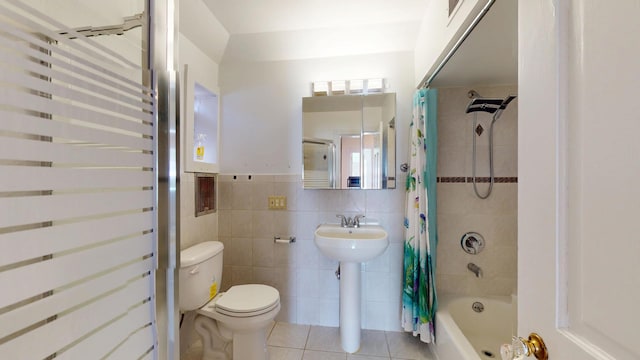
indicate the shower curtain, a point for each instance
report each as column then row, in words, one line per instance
column 419, row 301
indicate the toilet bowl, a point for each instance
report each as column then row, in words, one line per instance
column 241, row 315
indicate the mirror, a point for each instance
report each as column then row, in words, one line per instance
column 349, row 141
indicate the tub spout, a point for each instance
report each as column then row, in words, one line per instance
column 475, row 269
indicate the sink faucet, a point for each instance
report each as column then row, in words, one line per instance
column 475, row 269
column 348, row 222
column 344, row 222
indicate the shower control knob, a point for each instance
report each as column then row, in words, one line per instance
column 472, row 243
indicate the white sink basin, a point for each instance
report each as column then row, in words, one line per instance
column 351, row 244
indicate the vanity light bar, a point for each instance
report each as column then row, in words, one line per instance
column 320, row 88
column 375, row 85
column 348, row 87
column 338, row 87
column 356, row 86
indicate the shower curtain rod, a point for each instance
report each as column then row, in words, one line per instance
column 130, row 22
column 463, row 37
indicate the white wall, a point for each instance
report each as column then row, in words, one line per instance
column 262, row 106
column 201, row 26
column 193, row 229
column 205, row 68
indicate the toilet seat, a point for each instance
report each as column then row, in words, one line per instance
column 242, row 301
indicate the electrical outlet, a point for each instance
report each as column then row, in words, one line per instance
column 277, row 202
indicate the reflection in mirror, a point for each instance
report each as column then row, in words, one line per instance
column 350, row 160
column 319, row 161
column 349, row 141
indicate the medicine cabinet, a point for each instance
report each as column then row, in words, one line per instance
column 202, row 124
column 349, row 141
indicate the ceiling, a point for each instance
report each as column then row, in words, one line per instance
column 251, row 16
column 274, row 30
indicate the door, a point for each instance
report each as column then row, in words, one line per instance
column 78, row 189
column 579, row 161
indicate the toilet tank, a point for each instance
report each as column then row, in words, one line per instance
column 200, row 274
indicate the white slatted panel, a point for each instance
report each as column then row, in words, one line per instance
column 77, row 189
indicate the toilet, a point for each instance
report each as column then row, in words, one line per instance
column 240, row 315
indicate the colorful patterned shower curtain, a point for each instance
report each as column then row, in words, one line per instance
column 419, row 301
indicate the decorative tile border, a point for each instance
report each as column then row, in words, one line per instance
column 462, row 179
column 459, row 179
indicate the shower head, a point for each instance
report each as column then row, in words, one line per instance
column 507, row 100
column 490, row 105
column 503, row 106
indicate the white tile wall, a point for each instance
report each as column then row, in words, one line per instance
column 304, row 277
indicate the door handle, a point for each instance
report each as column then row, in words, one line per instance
column 521, row 348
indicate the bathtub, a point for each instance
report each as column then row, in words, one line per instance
column 464, row 334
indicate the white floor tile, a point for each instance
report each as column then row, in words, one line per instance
column 404, row 345
column 373, row 342
column 323, row 355
column 289, row 335
column 194, row 352
column 278, row 353
column 365, row 357
column 324, row 339
column 303, row 342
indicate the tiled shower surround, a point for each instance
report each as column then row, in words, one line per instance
column 460, row 211
column 305, row 278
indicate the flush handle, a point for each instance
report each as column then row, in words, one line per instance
column 195, row 270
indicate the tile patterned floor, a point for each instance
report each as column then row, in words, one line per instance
column 305, row 342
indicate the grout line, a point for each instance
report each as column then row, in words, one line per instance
column 386, row 340
column 306, row 342
column 271, row 331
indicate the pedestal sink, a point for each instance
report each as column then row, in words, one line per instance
column 350, row 246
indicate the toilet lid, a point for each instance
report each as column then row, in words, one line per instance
column 248, row 298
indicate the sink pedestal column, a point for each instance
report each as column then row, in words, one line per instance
column 350, row 306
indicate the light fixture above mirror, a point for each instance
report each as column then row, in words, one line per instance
column 349, row 87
